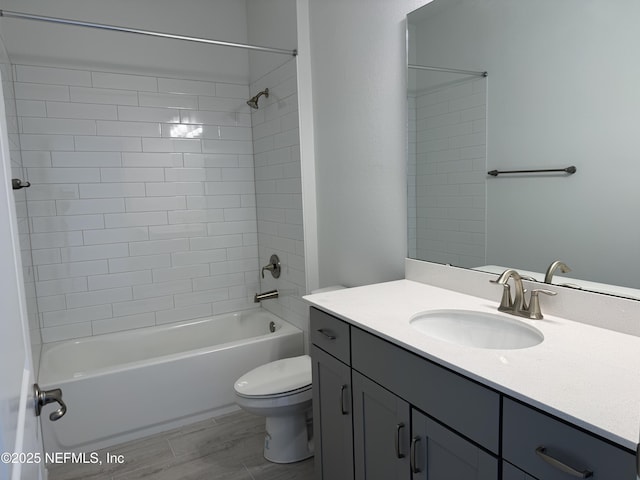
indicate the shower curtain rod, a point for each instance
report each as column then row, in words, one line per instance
column 28, row 16
column 448, row 70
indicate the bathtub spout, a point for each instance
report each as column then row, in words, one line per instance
column 265, row 296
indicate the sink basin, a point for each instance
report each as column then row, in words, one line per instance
column 477, row 329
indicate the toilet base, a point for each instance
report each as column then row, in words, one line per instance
column 287, row 438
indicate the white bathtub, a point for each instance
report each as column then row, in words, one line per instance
column 126, row 385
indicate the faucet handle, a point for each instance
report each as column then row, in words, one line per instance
column 273, row 266
column 543, row 290
column 570, row 285
column 534, row 302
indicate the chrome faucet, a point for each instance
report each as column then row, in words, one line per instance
column 519, row 305
column 507, row 304
column 265, row 296
column 564, row 268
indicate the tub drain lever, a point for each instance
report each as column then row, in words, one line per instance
column 44, row 397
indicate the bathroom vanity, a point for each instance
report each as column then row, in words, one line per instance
column 392, row 402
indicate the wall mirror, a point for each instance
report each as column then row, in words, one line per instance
column 562, row 90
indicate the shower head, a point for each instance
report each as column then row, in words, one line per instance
column 253, row 102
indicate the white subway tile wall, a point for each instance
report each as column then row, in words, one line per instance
column 279, row 191
column 143, row 204
column 18, row 171
column 450, row 173
column 411, row 177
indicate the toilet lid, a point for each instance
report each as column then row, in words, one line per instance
column 276, row 377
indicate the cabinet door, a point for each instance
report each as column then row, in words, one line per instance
column 437, row 453
column 381, row 424
column 332, row 417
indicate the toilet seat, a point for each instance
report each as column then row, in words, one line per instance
column 277, row 395
column 289, row 376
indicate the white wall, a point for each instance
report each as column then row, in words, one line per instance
column 358, row 63
column 59, row 45
column 270, row 23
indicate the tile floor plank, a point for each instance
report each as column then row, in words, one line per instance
column 228, row 447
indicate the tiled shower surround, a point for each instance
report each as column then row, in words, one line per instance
column 6, row 72
column 450, row 173
column 143, row 200
column 276, row 145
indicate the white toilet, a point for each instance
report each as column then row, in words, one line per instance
column 281, row 391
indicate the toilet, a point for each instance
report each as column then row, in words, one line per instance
column 281, row 392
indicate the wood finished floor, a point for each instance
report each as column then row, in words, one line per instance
column 222, row 448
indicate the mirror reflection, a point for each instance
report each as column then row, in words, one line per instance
column 562, row 89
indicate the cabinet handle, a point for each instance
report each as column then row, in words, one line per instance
column 327, row 334
column 412, row 460
column 399, row 427
column 342, row 409
column 554, row 462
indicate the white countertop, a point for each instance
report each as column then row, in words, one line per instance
column 586, row 375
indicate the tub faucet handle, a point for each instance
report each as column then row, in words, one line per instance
column 273, row 266
column 45, row 397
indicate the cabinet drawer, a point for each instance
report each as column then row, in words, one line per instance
column 330, row 334
column 543, row 446
column 463, row 405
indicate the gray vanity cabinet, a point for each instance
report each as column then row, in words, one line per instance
column 382, row 412
column 440, row 454
column 509, row 472
column 554, row 450
column 392, row 440
column 332, row 418
column 381, row 426
column 332, row 407
column 464, row 406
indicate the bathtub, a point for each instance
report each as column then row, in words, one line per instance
column 123, row 386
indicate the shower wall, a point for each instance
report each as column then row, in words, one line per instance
column 143, row 200
column 451, row 173
column 17, row 170
column 411, row 176
column 276, row 146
